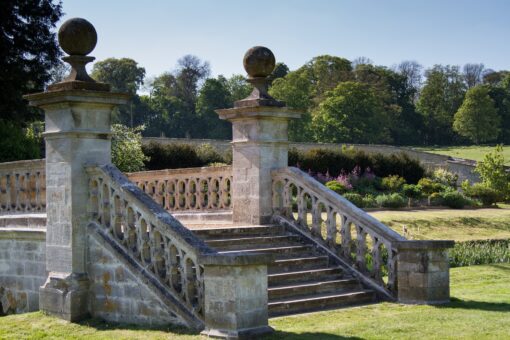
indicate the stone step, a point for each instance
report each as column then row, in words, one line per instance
column 314, row 287
column 287, row 250
column 247, row 241
column 234, row 231
column 331, row 273
column 320, row 302
column 284, row 265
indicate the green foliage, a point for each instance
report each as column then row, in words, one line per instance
column 445, row 177
column 354, row 198
column 369, row 201
column 470, row 253
column 16, row 144
column 429, row 186
column 351, row 112
column 454, row 199
column 435, row 198
column 29, row 51
column 213, row 95
column 413, row 191
column 477, row 117
column 392, row 183
column 127, row 154
column 492, row 172
column 336, row 161
column 481, row 192
column 208, row 154
column 393, row 201
column 124, row 75
column 337, row 187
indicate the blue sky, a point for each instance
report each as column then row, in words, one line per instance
column 156, row 33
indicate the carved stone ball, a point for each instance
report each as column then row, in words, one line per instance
column 259, row 62
column 77, row 36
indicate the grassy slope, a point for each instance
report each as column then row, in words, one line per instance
column 459, row 225
column 480, row 309
column 468, row 152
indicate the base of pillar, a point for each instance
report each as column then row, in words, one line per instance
column 65, row 296
column 249, row 333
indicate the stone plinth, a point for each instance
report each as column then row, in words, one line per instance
column 77, row 133
column 423, row 272
column 235, row 296
column 259, row 144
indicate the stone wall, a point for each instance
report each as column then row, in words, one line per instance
column 22, row 268
column 463, row 167
column 119, row 294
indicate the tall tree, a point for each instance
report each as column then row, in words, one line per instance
column 440, row 98
column 213, row 95
column 412, row 71
column 238, row 87
column 28, row 51
column 473, row 74
column 477, row 117
column 352, row 112
column 124, row 75
column 280, row 71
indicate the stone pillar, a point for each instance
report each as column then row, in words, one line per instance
column 423, row 272
column 259, row 141
column 235, row 295
column 77, row 132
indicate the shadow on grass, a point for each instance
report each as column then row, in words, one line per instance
column 500, row 266
column 307, row 336
column 102, row 325
column 477, row 305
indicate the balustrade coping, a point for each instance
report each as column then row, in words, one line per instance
column 424, row 244
column 203, row 169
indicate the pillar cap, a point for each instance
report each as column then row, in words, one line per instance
column 259, row 112
column 76, row 96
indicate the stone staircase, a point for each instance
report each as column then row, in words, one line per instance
column 301, row 278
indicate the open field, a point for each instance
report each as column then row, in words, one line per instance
column 468, row 152
column 479, row 309
column 459, row 225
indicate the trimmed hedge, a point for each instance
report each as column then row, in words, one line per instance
column 470, row 253
column 335, row 162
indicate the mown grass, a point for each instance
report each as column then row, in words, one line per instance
column 468, row 152
column 458, row 225
column 480, row 309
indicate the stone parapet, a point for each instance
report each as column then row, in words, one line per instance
column 423, row 272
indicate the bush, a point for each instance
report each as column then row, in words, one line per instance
column 369, row 201
column 355, row 199
column 208, row 154
column 127, row 154
column 479, row 252
column 16, row 144
column 493, row 173
column 412, row 191
column 345, row 160
column 435, row 198
column 486, row 195
column 454, row 199
column 392, row 183
column 337, row 187
column 429, row 187
column 445, row 178
column 171, row 156
column 393, row 200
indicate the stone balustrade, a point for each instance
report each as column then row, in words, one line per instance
column 191, row 189
column 22, row 187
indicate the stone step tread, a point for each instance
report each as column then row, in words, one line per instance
column 313, row 284
column 325, row 270
column 247, row 238
column 240, row 230
column 300, row 259
column 322, row 297
column 266, row 249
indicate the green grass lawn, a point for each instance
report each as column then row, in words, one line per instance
column 459, row 225
column 468, row 152
column 480, row 309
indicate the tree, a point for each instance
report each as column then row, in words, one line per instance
column 28, row 51
column 477, row 118
column 213, row 95
column 124, row 75
column 127, row 154
column 440, row 98
column 473, row 74
column 238, row 87
column 352, row 112
column 493, row 173
column 280, row 71
column 412, row 71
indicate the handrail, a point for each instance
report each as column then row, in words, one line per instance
column 188, row 189
column 149, row 234
column 337, row 224
column 22, row 187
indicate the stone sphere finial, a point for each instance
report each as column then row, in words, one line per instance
column 259, row 62
column 77, row 36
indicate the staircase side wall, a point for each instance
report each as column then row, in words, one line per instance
column 118, row 294
column 22, row 269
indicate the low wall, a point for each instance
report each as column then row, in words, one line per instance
column 463, row 167
column 22, row 265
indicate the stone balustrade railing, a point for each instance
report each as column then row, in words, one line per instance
column 347, row 231
column 150, row 235
column 22, row 187
column 191, row 189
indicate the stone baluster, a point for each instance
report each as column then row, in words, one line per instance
column 259, row 141
column 77, row 117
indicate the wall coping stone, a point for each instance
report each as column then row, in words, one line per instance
column 424, row 244
column 35, row 234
